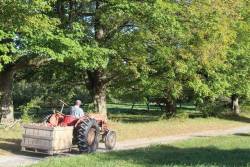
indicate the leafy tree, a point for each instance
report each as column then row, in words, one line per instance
column 194, row 55
column 116, row 34
column 28, row 38
column 239, row 58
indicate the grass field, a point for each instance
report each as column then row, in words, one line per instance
column 139, row 123
column 139, row 113
column 230, row 151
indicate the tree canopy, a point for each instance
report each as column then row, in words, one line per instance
column 126, row 49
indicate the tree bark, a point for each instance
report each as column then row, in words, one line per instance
column 96, row 83
column 6, row 100
column 235, row 104
column 100, row 102
column 170, row 107
column 97, row 89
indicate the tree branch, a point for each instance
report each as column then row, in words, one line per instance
column 27, row 63
column 116, row 29
column 87, row 14
column 6, row 40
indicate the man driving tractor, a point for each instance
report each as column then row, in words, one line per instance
column 76, row 110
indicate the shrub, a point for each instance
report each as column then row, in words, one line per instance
column 34, row 103
column 214, row 108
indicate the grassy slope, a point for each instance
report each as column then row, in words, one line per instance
column 215, row 151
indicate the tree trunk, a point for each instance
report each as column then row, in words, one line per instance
column 97, row 89
column 170, row 107
column 6, row 100
column 132, row 107
column 96, row 78
column 235, row 104
column 100, row 102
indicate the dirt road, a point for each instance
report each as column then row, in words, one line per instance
column 20, row 160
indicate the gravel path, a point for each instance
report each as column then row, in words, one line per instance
column 20, row 160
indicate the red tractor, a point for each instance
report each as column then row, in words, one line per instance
column 89, row 130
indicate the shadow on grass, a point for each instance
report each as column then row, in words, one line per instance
column 10, row 145
column 14, row 146
column 242, row 134
column 134, row 111
column 174, row 156
column 233, row 117
column 142, row 115
column 134, row 116
column 134, row 119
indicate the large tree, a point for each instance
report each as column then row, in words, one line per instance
column 239, row 58
column 28, row 38
column 117, row 34
column 212, row 34
column 192, row 52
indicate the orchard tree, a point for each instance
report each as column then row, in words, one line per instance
column 28, row 38
column 239, row 58
column 168, row 68
column 210, row 26
column 118, row 35
column 195, row 56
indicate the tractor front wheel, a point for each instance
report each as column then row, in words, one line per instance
column 110, row 140
column 88, row 136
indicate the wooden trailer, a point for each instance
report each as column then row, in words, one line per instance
column 47, row 140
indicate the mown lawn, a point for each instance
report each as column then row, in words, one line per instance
column 140, row 123
column 152, row 129
column 230, row 151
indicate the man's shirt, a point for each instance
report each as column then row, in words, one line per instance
column 76, row 111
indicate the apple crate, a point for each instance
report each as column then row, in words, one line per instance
column 48, row 140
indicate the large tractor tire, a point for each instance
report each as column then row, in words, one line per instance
column 88, row 136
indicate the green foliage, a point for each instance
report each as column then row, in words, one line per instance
column 196, row 56
column 193, row 50
column 239, row 57
column 29, row 35
column 213, row 108
column 33, row 104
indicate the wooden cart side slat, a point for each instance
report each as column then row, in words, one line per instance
column 38, row 137
column 39, row 127
column 36, row 146
column 62, row 128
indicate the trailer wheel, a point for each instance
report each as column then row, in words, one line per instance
column 88, row 136
column 110, row 140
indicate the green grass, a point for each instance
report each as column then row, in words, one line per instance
column 203, row 152
column 176, row 126
column 125, row 113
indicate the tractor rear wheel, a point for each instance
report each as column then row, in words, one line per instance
column 88, row 136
